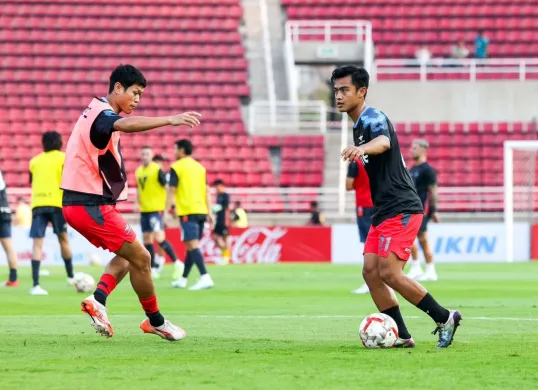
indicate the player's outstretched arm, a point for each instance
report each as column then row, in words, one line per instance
column 378, row 145
column 137, row 124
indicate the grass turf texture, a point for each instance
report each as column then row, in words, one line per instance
column 272, row 327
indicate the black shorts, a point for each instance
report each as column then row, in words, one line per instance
column 424, row 225
column 151, row 222
column 5, row 228
column 192, row 226
column 220, row 230
column 41, row 216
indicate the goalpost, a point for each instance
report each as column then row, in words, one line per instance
column 520, row 190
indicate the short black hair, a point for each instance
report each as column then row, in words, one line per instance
column 186, row 145
column 218, row 182
column 126, row 75
column 158, row 158
column 314, row 204
column 359, row 76
column 237, row 203
column 51, row 140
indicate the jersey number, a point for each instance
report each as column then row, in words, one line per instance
column 142, row 182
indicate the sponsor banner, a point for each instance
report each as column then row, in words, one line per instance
column 450, row 242
column 250, row 245
column 264, row 245
column 534, row 242
column 83, row 251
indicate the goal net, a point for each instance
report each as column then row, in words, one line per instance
column 520, row 190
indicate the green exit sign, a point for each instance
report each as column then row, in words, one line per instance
column 327, row 52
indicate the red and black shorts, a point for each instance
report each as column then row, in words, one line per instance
column 395, row 235
column 102, row 225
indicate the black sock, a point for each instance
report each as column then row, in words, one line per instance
column 394, row 313
column 100, row 296
column 12, row 274
column 168, row 249
column 198, row 259
column 35, row 272
column 151, row 251
column 430, row 306
column 188, row 265
column 156, row 319
column 69, row 267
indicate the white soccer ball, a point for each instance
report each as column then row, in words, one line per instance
column 83, row 282
column 378, row 331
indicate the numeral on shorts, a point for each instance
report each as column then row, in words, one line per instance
column 384, row 244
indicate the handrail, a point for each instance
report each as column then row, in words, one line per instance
column 469, row 66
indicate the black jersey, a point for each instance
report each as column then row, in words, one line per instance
column 223, row 203
column 391, row 186
column 424, row 176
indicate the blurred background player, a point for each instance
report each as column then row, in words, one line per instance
column 151, row 184
column 160, row 256
column 5, row 236
column 94, row 179
column 425, row 179
column 23, row 213
column 188, row 193
column 357, row 179
column 45, row 178
column 316, row 216
column 221, row 210
column 239, row 216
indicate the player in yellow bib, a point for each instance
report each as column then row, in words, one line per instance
column 189, row 194
column 151, row 182
column 45, row 177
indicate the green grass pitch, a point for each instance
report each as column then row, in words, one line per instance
column 285, row 326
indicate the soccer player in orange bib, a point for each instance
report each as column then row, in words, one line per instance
column 94, row 179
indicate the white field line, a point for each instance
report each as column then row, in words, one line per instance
column 266, row 317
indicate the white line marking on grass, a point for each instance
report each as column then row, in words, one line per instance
column 267, row 317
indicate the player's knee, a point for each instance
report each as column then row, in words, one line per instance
column 388, row 275
column 142, row 262
column 370, row 273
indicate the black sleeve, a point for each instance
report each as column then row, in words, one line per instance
column 162, row 177
column 352, row 170
column 102, row 128
column 431, row 177
column 226, row 201
column 174, row 180
column 235, row 217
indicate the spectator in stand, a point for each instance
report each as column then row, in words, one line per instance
column 423, row 55
column 459, row 51
column 481, row 45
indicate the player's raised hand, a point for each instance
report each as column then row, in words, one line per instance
column 191, row 119
column 351, row 153
column 436, row 218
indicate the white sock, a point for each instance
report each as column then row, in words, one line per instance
column 415, row 264
column 430, row 267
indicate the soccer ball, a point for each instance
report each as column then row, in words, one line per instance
column 83, row 282
column 378, row 331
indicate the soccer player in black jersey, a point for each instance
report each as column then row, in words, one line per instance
column 425, row 179
column 398, row 209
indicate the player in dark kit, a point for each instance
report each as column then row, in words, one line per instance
column 221, row 209
column 398, row 210
column 425, row 179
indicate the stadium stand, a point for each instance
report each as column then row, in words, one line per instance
column 399, row 29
